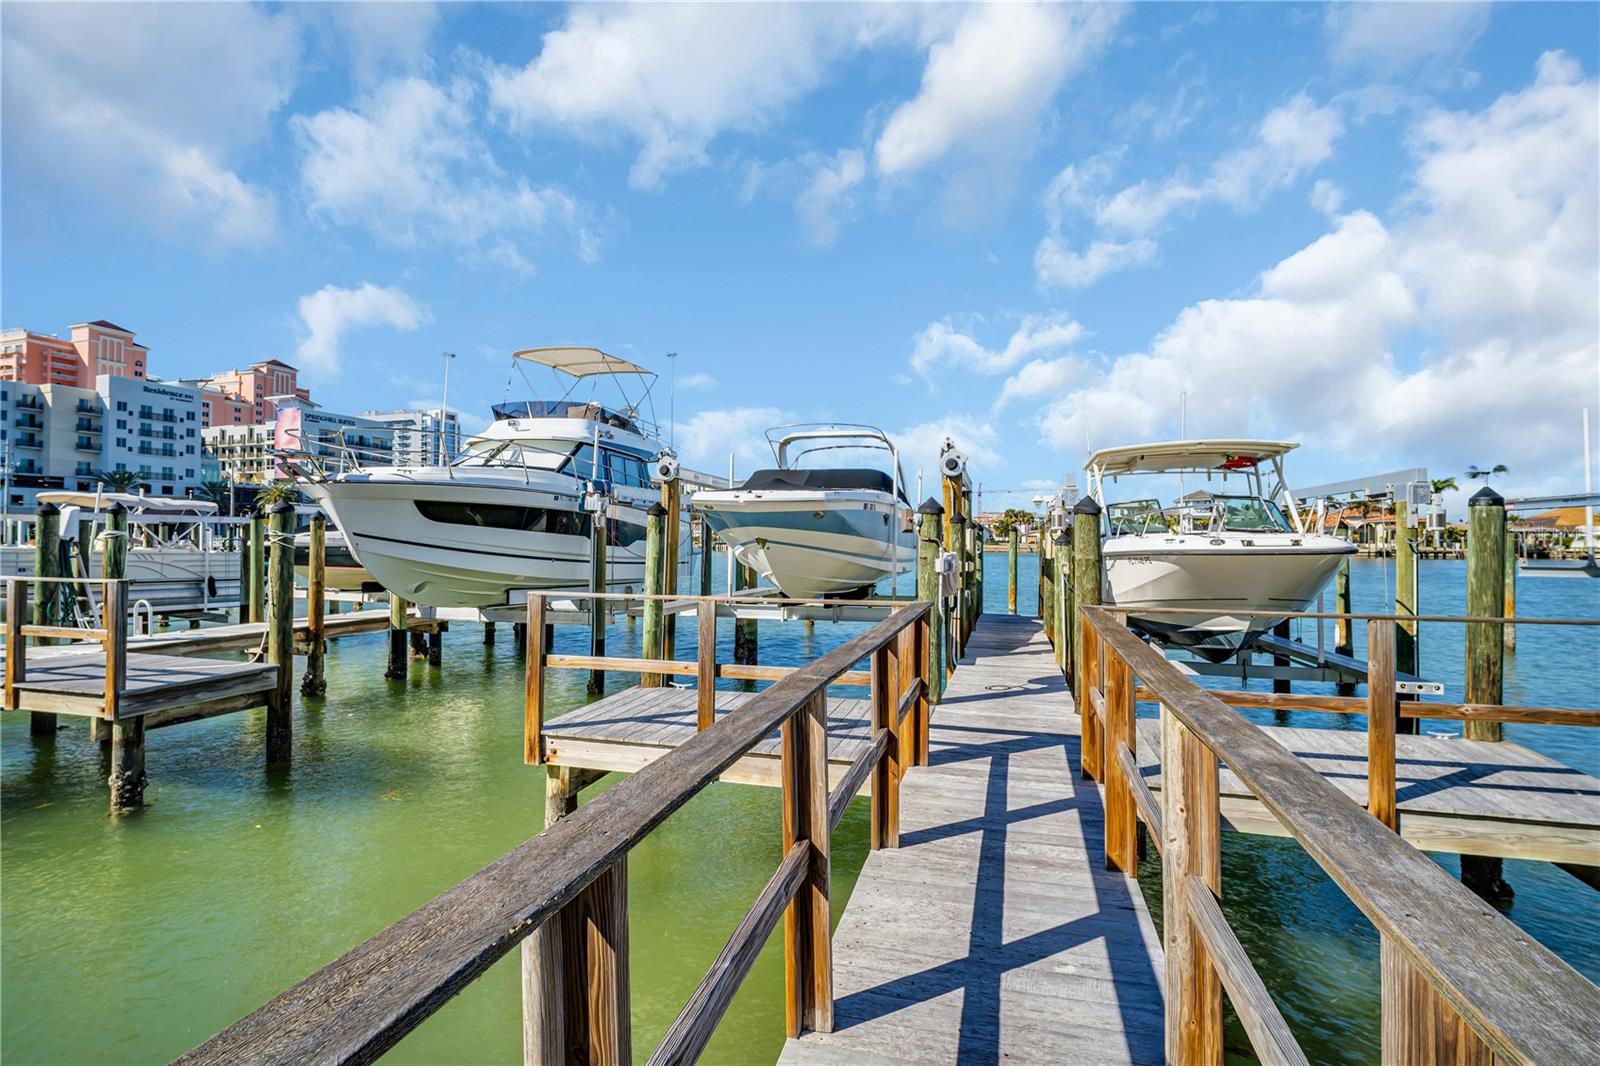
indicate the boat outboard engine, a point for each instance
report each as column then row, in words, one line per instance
column 666, row 467
column 952, row 463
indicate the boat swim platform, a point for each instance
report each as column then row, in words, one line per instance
column 994, row 931
column 1467, row 797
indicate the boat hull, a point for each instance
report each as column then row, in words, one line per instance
column 1219, row 582
column 459, row 564
column 811, row 545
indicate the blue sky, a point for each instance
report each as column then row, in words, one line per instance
column 1372, row 229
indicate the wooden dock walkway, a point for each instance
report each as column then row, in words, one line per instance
column 994, row 931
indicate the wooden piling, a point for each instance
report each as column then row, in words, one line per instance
column 1508, row 631
column 1283, row 630
column 396, row 670
column 113, row 565
column 597, row 608
column 46, row 594
column 746, row 631
column 929, row 521
column 488, row 634
column 255, row 577
column 1343, row 630
column 707, row 539
column 672, row 501
column 1382, row 714
column 280, row 633
column 1048, row 554
column 315, row 682
column 1086, row 592
column 1486, row 532
column 1062, row 612
column 1011, row 570
column 1407, row 600
column 127, row 779
column 654, row 567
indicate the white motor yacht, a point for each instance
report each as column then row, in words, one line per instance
column 509, row 512
column 818, row 531
column 1236, row 544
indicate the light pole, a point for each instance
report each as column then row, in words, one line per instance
column 444, row 406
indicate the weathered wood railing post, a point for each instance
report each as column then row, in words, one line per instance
column 928, row 522
column 256, row 563
column 1086, row 592
column 1191, row 825
column 46, row 594
column 913, row 646
column 1382, row 711
column 654, row 565
column 127, row 779
column 598, row 532
column 533, row 682
column 396, row 669
column 807, row 937
column 885, row 833
column 1406, row 601
column 1419, row 1028
column 1122, row 826
column 1486, row 532
column 280, row 634
column 315, row 682
column 1011, row 570
column 706, row 658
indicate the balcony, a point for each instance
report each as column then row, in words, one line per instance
column 30, row 421
column 87, row 444
column 150, row 414
column 84, row 470
column 30, row 402
column 29, row 440
column 87, row 425
column 88, row 407
column 166, row 453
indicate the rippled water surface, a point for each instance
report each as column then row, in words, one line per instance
column 132, row 940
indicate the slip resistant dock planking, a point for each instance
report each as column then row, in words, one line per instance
column 629, row 729
column 994, row 932
column 1471, row 797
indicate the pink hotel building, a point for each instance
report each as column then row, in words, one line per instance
column 231, row 398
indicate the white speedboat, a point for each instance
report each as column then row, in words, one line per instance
column 1237, row 544
column 510, row 512
column 829, row 531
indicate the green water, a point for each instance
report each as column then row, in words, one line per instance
column 132, row 940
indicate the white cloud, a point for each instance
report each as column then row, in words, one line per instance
column 985, row 85
column 1462, row 331
column 407, row 163
column 1290, row 140
column 1057, row 265
column 698, row 380
column 919, row 448
column 707, row 439
column 329, row 313
column 674, row 76
column 141, row 110
column 1327, row 196
column 942, row 342
column 377, row 38
column 1039, row 378
column 829, row 195
column 1394, row 37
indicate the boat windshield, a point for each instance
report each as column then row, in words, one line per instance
column 1133, row 517
column 1247, row 514
column 532, row 454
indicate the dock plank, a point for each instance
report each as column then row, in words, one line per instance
column 994, row 932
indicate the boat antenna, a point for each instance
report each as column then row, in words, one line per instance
column 1183, row 427
column 672, row 401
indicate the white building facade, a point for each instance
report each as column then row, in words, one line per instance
column 417, row 436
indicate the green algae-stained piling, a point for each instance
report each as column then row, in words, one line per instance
column 1061, row 602
column 1011, row 570
column 1406, row 598
column 280, row 633
column 1486, row 537
column 929, row 514
column 315, row 682
column 654, row 585
column 255, row 561
column 46, row 593
column 396, row 669
column 1085, row 593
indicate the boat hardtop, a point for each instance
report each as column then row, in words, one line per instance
column 1185, row 455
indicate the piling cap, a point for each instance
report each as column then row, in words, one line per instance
column 1063, row 536
column 1087, row 505
column 47, row 510
column 281, row 506
column 656, row 510
column 1486, row 497
column 116, row 507
column 930, row 506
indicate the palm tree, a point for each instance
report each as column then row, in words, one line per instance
column 217, row 492
column 1444, row 484
column 121, row 480
column 276, row 492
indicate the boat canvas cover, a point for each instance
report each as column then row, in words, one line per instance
column 1186, row 455
column 837, row 479
column 580, row 362
column 87, row 500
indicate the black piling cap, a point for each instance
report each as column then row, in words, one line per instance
column 281, row 506
column 930, row 506
column 656, row 510
column 1087, row 505
column 1486, row 497
column 47, row 510
column 116, row 507
column 1063, row 536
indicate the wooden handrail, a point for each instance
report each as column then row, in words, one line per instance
column 362, row 1004
column 854, row 777
column 1453, row 712
column 1143, row 799
column 679, row 668
column 1519, row 998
